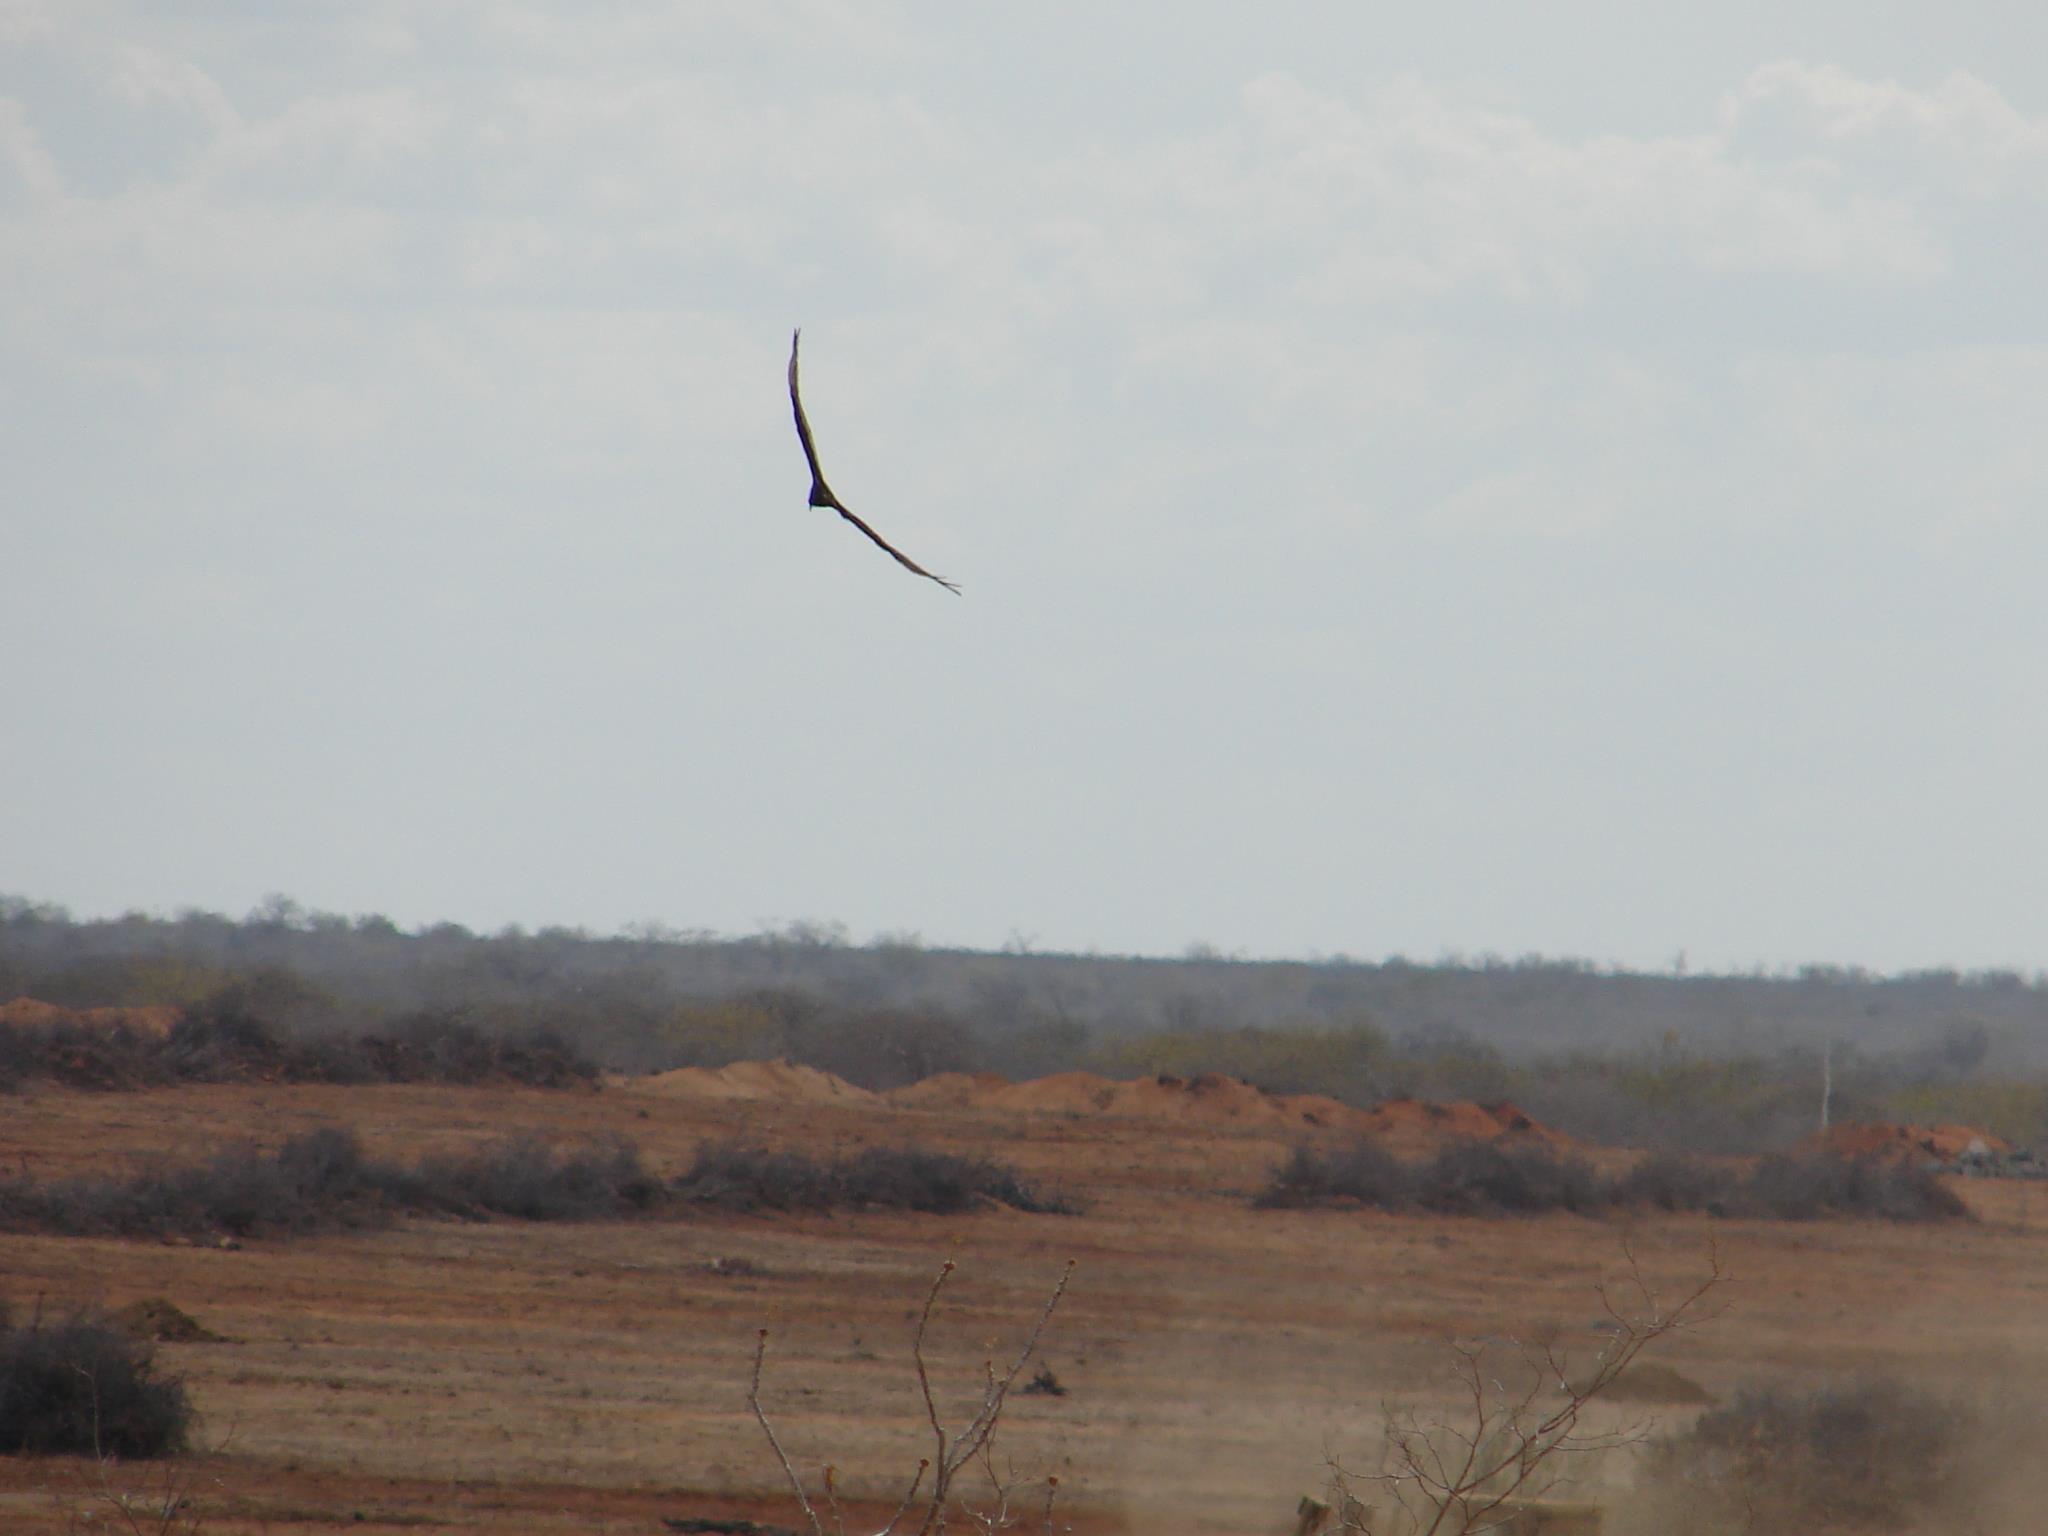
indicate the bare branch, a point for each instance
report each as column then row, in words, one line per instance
column 754, row 1402
column 952, row 1453
column 1469, row 1476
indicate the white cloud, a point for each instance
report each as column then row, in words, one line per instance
column 22, row 151
column 24, row 21
column 1963, row 129
column 144, row 77
column 1415, row 191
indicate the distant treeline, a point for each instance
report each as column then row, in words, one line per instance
column 1701, row 1063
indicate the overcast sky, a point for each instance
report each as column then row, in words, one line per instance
column 1561, row 478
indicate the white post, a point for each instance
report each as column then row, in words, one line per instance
column 1827, row 1080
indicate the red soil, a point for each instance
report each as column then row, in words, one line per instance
column 31, row 1013
column 1906, row 1143
column 783, row 1081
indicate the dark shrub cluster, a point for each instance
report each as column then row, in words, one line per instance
column 324, row 1181
column 1362, row 1172
column 232, row 1038
column 1870, row 1456
column 79, row 1056
column 525, row 1178
column 1480, row 1178
column 1472, row 1178
column 441, row 1046
column 318, row 1180
column 1667, row 1181
column 85, row 1388
column 737, row 1177
column 1803, row 1188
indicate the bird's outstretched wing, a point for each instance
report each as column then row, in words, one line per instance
column 821, row 493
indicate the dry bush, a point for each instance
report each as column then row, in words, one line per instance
column 1868, row 1456
column 1802, row 1188
column 1362, row 1171
column 1668, row 1181
column 733, row 1176
column 1478, row 1178
column 524, row 1177
column 1482, row 1178
column 79, row 1056
column 84, row 1387
column 1469, row 1178
column 322, row 1180
column 736, row 1177
column 1521, row 1429
column 231, row 1037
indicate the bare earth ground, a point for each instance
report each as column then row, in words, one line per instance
column 553, row 1378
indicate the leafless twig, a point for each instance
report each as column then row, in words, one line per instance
column 950, row 1453
column 1451, row 1478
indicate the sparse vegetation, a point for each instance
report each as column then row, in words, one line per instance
column 1522, row 1419
column 85, row 1387
column 932, row 1500
column 323, row 1181
column 231, row 1036
column 738, row 1177
column 1863, row 1457
column 1484, row 1178
column 1627, row 1059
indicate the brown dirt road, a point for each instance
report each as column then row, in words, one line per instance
column 592, row 1378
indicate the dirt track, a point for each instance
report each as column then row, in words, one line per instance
column 544, row 1378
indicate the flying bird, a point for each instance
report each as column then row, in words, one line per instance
column 821, row 493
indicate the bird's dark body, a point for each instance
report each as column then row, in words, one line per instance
column 821, row 493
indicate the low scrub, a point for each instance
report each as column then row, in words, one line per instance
column 324, row 1181
column 230, row 1038
column 1485, row 1178
column 1871, row 1456
column 734, row 1176
column 1803, row 1188
column 527, row 1179
column 84, row 1387
column 1473, row 1178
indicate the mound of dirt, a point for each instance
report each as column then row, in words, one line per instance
column 1217, row 1100
column 1408, row 1127
column 1209, row 1099
column 152, row 1023
column 785, row 1081
column 1945, row 1144
column 949, row 1090
column 1420, row 1128
column 1064, row 1093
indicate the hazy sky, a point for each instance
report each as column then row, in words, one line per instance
column 1563, row 478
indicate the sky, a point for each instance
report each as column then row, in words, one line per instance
column 1559, row 479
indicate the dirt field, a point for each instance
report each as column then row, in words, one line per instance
column 549, row 1378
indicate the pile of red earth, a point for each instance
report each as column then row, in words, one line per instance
column 153, row 1023
column 1945, row 1145
column 1407, row 1127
